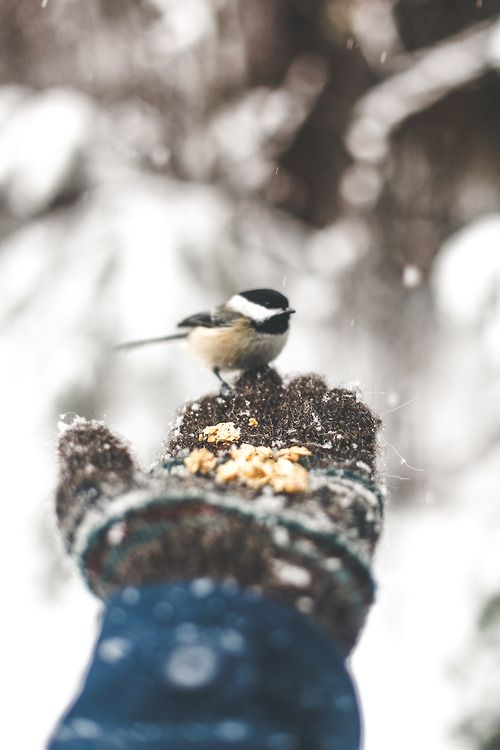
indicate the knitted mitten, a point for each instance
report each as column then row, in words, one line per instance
column 272, row 487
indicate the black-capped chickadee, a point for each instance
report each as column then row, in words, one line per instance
column 248, row 331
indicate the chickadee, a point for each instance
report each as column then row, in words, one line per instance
column 248, row 331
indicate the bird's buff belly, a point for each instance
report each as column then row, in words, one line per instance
column 216, row 347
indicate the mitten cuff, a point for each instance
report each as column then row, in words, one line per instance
column 203, row 665
column 314, row 554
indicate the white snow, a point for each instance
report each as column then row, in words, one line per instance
column 467, row 281
column 420, row 79
column 139, row 253
column 431, row 579
column 202, row 587
column 40, row 148
column 231, row 730
column 412, row 277
column 67, row 420
column 85, row 728
column 116, row 533
column 375, row 29
column 113, row 649
column 290, row 574
column 192, row 667
column 184, row 25
column 232, row 641
column 361, row 186
column 130, row 595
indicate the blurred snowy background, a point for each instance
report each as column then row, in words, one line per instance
column 158, row 155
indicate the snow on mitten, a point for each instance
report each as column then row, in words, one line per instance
column 273, row 487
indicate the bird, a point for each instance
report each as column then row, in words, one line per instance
column 245, row 333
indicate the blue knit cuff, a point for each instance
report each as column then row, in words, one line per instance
column 206, row 666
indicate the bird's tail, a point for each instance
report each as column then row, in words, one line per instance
column 143, row 342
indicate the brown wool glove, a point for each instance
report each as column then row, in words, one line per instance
column 272, row 487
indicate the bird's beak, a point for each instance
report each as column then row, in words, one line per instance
column 290, row 311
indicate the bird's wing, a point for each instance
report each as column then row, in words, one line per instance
column 198, row 319
column 217, row 318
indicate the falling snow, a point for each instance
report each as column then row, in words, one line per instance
column 113, row 649
column 412, row 277
column 192, row 667
column 96, row 249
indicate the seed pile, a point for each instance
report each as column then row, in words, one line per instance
column 223, row 432
column 254, row 466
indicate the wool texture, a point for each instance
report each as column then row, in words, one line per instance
column 310, row 548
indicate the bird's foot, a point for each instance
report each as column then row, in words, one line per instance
column 225, row 390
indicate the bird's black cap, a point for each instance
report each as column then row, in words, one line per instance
column 268, row 298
